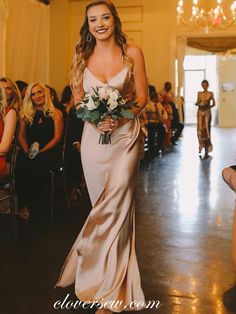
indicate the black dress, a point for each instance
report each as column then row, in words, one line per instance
column 72, row 156
column 32, row 175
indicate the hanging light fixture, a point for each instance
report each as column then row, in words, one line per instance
column 206, row 20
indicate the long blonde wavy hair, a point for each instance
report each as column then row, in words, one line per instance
column 3, row 102
column 28, row 109
column 85, row 48
column 16, row 100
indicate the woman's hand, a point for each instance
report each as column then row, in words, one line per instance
column 108, row 125
column 77, row 146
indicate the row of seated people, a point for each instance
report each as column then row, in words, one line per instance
column 45, row 120
column 41, row 124
column 162, row 121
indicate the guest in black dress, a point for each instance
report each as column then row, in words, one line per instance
column 73, row 133
column 67, row 99
column 56, row 102
column 74, row 170
column 42, row 123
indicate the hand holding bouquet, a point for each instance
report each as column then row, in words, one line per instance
column 202, row 103
column 102, row 102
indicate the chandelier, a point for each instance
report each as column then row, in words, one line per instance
column 206, row 20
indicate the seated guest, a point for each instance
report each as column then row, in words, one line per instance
column 7, row 130
column 67, row 99
column 41, row 128
column 74, row 170
column 12, row 93
column 176, row 125
column 168, row 109
column 22, row 87
column 73, row 166
column 55, row 101
column 167, row 91
column 156, row 117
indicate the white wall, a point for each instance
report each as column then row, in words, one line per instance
column 227, row 99
column 41, row 40
column 27, row 41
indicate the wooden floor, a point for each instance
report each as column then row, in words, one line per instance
column 183, row 238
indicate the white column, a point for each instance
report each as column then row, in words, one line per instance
column 180, row 54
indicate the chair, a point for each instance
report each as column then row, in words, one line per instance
column 58, row 175
column 7, row 184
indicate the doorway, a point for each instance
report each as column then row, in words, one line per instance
column 196, row 69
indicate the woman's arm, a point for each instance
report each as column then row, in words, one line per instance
column 213, row 100
column 78, row 93
column 8, row 131
column 140, row 78
column 198, row 99
column 22, row 137
column 58, row 131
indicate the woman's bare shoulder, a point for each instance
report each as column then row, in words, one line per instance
column 133, row 51
column 58, row 113
column 11, row 112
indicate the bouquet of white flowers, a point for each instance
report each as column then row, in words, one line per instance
column 101, row 102
column 202, row 103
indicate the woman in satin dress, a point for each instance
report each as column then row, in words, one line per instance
column 205, row 101
column 102, row 261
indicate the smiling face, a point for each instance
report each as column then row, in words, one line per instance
column 101, row 22
column 38, row 96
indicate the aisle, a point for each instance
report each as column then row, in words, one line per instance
column 184, row 220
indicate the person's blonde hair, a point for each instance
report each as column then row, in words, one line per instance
column 16, row 96
column 28, row 109
column 3, row 102
column 85, row 47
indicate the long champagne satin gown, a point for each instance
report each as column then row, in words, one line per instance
column 102, row 261
column 204, row 122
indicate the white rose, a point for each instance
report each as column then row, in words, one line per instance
column 112, row 101
column 102, row 92
column 112, row 104
column 114, row 95
column 90, row 104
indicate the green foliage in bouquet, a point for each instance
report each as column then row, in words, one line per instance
column 101, row 102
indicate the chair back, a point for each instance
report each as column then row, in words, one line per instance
column 13, row 152
column 8, row 182
column 64, row 142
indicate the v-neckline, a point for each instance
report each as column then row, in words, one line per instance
column 108, row 81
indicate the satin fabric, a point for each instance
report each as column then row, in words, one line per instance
column 204, row 123
column 102, row 261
